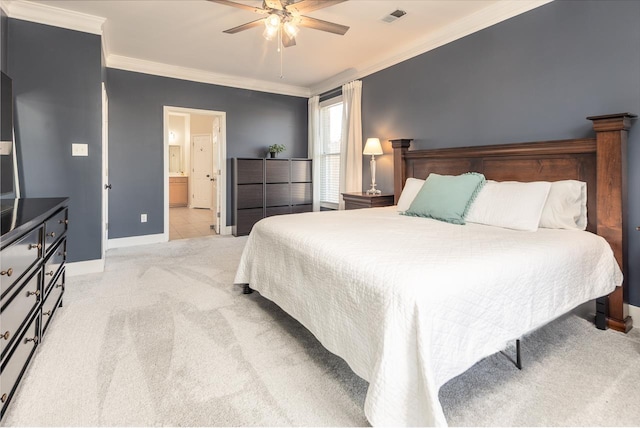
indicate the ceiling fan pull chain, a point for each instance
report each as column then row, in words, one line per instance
column 279, row 42
column 281, row 49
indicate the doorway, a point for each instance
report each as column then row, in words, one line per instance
column 194, row 172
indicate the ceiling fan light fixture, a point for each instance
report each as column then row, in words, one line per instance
column 291, row 29
column 269, row 33
column 272, row 22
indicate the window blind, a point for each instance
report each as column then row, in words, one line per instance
column 331, row 137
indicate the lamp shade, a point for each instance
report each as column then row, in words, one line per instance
column 372, row 147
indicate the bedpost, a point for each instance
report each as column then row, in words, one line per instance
column 611, row 163
column 400, row 147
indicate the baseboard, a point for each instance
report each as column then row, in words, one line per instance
column 85, row 267
column 634, row 312
column 133, row 241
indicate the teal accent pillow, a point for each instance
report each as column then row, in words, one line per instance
column 447, row 197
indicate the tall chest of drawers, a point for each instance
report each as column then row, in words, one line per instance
column 266, row 187
column 33, row 251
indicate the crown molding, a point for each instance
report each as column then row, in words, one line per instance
column 498, row 12
column 195, row 75
column 49, row 15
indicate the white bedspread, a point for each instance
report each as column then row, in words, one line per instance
column 410, row 302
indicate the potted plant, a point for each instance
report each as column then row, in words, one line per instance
column 274, row 149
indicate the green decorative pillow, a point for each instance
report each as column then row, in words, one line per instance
column 447, row 197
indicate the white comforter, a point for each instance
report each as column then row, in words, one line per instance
column 410, row 302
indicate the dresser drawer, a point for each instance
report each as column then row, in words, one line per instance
column 14, row 365
column 302, row 209
column 52, row 301
column 270, row 211
column 16, row 310
column 54, row 228
column 17, row 258
column 53, row 264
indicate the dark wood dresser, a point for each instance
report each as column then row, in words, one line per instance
column 353, row 201
column 33, row 251
column 266, row 187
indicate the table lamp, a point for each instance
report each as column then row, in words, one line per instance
column 373, row 148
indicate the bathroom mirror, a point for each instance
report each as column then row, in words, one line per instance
column 175, row 159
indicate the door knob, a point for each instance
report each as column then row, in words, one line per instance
column 107, row 186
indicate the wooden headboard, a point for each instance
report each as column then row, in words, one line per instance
column 599, row 161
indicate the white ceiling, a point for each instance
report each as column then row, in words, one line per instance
column 188, row 34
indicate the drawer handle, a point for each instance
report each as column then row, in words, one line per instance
column 47, row 314
column 3, row 398
column 63, row 221
column 7, row 272
column 52, row 234
column 33, row 293
column 6, row 335
column 59, row 285
column 33, row 339
column 50, row 273
column 32, row 246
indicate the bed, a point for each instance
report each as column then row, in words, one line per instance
column 409, row 303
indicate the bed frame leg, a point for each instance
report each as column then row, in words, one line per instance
column 246, row 289
column 518, row 355
column 602, row 312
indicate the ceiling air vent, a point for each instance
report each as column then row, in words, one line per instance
column 394, row 16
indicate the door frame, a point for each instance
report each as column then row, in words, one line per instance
column 222, row 164
column 105, row 172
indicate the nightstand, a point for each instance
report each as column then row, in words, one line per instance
column 353, row 201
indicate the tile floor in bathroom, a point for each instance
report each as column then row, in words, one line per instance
column 189, row 223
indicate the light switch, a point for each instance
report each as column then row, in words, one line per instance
column 5, row 147
column 79, row 149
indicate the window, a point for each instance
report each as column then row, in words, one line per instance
column 331, row 141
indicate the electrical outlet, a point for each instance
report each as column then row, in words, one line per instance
column 78, row 149
column 143, row 218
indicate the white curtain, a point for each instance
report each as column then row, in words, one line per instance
column 351, row 148
column 314, row 147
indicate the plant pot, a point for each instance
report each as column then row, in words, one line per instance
column 273, row 155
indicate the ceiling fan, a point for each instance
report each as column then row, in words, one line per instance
column 283, row 17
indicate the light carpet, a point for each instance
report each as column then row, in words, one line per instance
column 162, row 337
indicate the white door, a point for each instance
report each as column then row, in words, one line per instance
column 105, row 170
column 202, row 171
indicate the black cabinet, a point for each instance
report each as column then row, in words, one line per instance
column 33, row 250
column 267, row 187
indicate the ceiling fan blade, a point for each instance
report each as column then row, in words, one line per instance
column 319, row 24
column 288, row 41
column 246, row 26
column 272, row 4
column 305, row 6
column 240, row 6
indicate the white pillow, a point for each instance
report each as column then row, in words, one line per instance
column 411, row 188
column 510, row 204
column 566, row 206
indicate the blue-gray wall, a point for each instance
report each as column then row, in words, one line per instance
column 56, row 86
column 534, row 77
column 255, row 120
